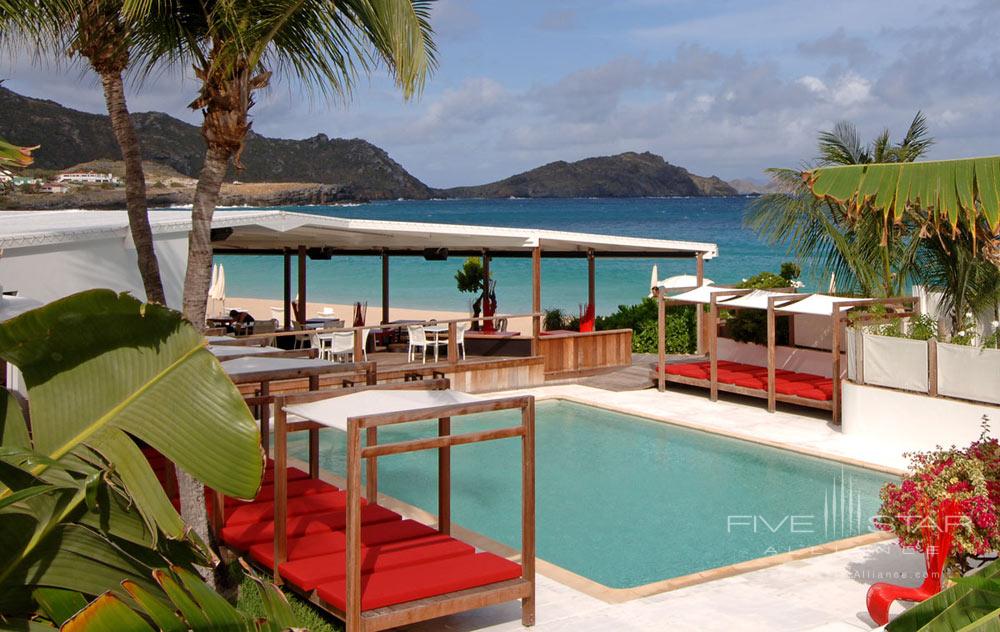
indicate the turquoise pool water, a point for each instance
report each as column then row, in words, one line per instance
column 626, row 501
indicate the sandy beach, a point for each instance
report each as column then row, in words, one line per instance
column 260, row 308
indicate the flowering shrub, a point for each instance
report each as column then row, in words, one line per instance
column 970, row 477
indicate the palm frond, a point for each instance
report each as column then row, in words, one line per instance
column 842, row 146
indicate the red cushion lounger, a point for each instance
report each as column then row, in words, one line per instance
column 242, row 536
column 385, row 588
column 310, row 572
column 336, row 541
column 258, row 511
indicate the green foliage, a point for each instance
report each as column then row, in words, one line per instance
column 790, row 271
column 750, row 325
column 554, row 319
column 641, row 319
column 304, row 615
column 470, row 278
column 81, row 510
column 972, row 604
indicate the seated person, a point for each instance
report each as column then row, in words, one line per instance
column 242, row 324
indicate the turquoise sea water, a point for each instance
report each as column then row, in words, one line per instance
column 626, row 501
column 422, row 284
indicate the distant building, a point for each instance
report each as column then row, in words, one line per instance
column 87, row 177
column 53, row 187
column 20, row 181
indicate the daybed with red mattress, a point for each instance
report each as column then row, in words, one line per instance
column 359, row 560
column 806, row 389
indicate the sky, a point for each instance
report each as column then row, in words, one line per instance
column 722, row 87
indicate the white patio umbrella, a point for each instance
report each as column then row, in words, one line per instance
column 833, row 283
column 681, row 281
column 654, row 280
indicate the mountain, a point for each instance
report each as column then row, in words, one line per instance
column 68, row 137
column 625, row 175
column 757, row 187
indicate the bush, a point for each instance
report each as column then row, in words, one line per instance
column 750, row 325
column 554, row 319
column 970, row 477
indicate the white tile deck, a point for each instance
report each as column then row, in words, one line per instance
column 818, row 594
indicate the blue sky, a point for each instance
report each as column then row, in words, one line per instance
column 726, row 87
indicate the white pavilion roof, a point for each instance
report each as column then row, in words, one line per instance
column 271, row 231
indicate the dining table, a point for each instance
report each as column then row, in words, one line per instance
column 436, row 331
column 263, row 370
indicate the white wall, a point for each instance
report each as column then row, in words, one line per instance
column 911, row 421
column 52, row 271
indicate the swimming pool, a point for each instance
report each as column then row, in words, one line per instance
column 626, row 501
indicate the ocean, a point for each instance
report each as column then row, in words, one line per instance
column 416, row 283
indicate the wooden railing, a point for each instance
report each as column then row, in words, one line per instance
column 453, row 355
column 577, row 353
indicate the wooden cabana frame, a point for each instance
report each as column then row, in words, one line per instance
column 775, row 304
column 406, row 613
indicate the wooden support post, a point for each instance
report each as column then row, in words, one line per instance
column 217, row 515
column 487, row 259
column 835, row 350
column 661, row 345
column 280, row 486
column 385, row 288
column 444, row 478
column 359, row 339
column 452, row 343
column 265, row 417
column 371, row 467
column 713, row 346
column 699, row 311
column 528, row 510
column 287, row 256
column 536, row 297
column 932, row 367
column 771, row 340
column 591, row 279
column 302, row 285
column 314, row 436
column 352, row 612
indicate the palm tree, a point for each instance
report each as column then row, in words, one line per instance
column 234, row 48
column 865, row 254
column 96, row 31
column 103, row 37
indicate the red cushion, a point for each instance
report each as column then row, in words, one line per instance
column 300, row 487
column 751, row 382
column 310, row 572
column 294, row 474
column 332, row 542
column 242, row 536
column 385, row 588
column 812, row 393
column 296, row 506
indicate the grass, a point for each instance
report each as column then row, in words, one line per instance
column 306, row 616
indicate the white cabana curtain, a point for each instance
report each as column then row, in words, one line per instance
column 895, row 362
column 702, row 295
column 334, row 412
column 969, row 372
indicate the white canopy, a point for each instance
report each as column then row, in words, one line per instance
column 754, row 300
column 701, row 294
column 815, row 305
column 259, row 364
column 335, row 412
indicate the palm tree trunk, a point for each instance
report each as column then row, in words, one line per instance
column 196, row 282
column 135, row 186
column 199, row 266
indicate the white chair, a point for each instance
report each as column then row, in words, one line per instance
column 460, row 329
column 278, row 314
column 418, row 338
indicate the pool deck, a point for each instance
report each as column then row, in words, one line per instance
column 819, row 593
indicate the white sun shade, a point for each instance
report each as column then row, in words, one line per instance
column 11, row 306
column 334, row 412
column 754, row 300
column 815, row 305
column 701, row 294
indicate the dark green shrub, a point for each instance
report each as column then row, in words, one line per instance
column 750, row 325
column 554, row 319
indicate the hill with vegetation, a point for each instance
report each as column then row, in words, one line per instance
column 69, row 137
column 629, row 174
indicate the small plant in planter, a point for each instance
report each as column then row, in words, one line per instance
column 971, row 478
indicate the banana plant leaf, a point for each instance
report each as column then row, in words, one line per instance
column 181, row 601
column 972, row 604
column 14, row 156
column 102, row 368
column 945, row 190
